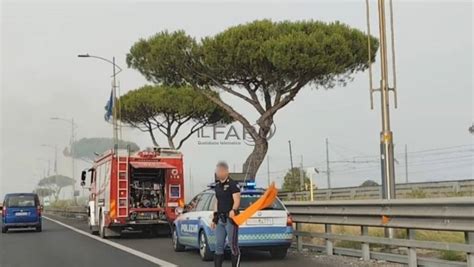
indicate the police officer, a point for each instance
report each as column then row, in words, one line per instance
column 227, row 206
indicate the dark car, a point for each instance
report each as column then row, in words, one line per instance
column 21, row 210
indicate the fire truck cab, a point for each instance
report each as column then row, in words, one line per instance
column 134, row 192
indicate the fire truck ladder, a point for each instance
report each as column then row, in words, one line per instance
column 123, row 182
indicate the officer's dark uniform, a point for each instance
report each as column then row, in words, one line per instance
column 224, row 225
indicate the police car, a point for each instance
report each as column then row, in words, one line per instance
column 269, row 229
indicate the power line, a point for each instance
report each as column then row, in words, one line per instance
column 440, row 148
column 418, row 164
column 443, row 168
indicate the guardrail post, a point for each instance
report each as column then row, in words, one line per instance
column 412, row 258
column 469, row 236
column 299, row 238
column 329, row 244
column 365, row 246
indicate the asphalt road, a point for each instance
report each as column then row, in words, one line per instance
column 61, row 246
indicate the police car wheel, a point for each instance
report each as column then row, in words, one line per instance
column 278, row 253
column 204, row 251
column 176, row 245
column 4, row 229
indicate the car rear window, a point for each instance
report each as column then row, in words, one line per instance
column 21, row 201
column 247, row 199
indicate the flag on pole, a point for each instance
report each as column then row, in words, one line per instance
column 264, row 201
column 109, row 107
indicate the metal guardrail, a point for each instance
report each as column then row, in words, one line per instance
column 404, row 190
column 77, row 212
column 441, row 214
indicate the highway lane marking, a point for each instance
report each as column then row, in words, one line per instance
column 129, row 250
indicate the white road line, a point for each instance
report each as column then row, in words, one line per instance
column 118, row 246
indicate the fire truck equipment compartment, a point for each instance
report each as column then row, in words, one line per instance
column 147, row 188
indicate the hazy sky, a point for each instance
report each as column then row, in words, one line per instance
column 42, row 77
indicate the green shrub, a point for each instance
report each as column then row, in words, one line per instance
column 452, row 255
column 417, row 193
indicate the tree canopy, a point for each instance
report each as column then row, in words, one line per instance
column 263, row 63
column 292, row 182
column 55, row 183
column 86, row 148
column 43, row 192
column 369, row 183
column 167, row 109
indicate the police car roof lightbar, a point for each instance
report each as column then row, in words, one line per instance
column 245, row 185
column 248, row 184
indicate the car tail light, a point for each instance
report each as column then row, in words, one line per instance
column 289, row 221
column 39, row 211
column 4, row 212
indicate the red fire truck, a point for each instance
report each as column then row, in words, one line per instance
column 130, row 192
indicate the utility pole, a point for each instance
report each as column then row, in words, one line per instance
column 49, row 167
column 268, row 170
column 328, row 170
column 386, row 135
column 291, row 161
column 55, row 163
column 72, row 140
column 46, row 172
column 291, row 156
column 406, row 163
column 55, row 159
column 301, row 175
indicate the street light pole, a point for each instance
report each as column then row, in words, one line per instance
column 49, row 167
column 115, row 126
column 71, row 151
column 55, row 148
column 46, row 172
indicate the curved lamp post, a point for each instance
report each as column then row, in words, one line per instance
column 114, row 91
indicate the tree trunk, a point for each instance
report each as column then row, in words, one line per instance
column 56, row 194
column 255, row 159
column 171, row 143
column 153, row 139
